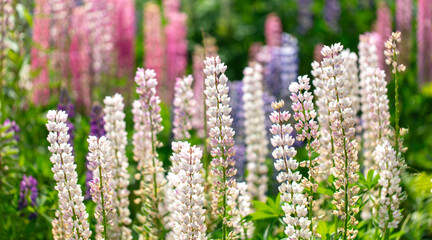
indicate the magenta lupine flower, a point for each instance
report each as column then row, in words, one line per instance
column 404, row 25
column 39, row 57
column 273, row 30
column 79, row 58
column 383, row 26
column 28, row 190
column 154, row 44
column 424, row 41
column 124, row 35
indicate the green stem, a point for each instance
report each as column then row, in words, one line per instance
column 103, row 203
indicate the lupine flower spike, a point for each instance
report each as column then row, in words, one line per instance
column 188, row 196
column 294, row 201
column 255, row 129
column 147, row 119
column 343, row 131
column 184, row 108
column 72, row 209
column 307, row 129
column 115, row 127
column 221, row 141
column 100, row 162
column 244, row 228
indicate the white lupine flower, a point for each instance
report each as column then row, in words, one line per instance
column 58, row 230
column 352, row 81
column 100, row 162
column 221, row 140
column 292, row 197
column 115, row 127
column 255, row 131
column 188, row 195
column 390, row 198
column 147, row 124
column 343, row 131
column 184, row 108
column 72, row 208
column 243, row 228
column 307, row 130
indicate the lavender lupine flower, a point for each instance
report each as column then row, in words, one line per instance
column 304, row 17
column 147, row 123
column 198, row 75
column 307, row 128
column 189, row 192
column 28, row 190
column 97, row 121
column 153, row 37
column 221, row 141
column 345, row 146
column 332, row 12
column 390, row 167
column 273, row 30
column 39, row 56
column 404, row 25
column 424, row 41
column 244, row 228
column 255, row 131
column 294, row 201
column 71, row 204
column 115, row 127
column 13, row 127
column 383, row 27
column 184, row 108
column 65, row 104
column 100, row 162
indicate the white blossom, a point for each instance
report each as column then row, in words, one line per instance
column 184, row 108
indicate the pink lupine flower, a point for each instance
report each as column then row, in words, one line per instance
column 198, row 89
column 383, row 26
column 404, row 25
column 39, row 57
column 424, row 41
column 124, row 35
column 72, row 208
column 221, row 140
column 154, row 44
column 273, row 30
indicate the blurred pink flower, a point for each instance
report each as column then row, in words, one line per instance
column 383, row 26
column 404, row 24
column 273, row 30
column 39, row 58
column 424, row 41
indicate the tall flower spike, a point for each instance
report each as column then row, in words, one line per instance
column 307, row 129
column 424, row 42
column 343, row 131
column 71, row 204
column 184, row 108
column 189, row 192
column 115, row 127
column 383, row 28
column 100, row 162
column 244, row 228
column 147, row 119
column 198, row 75
column 255, row 129
column 404, row 24
column 58, row 230
column 391, row 168
column 294, row 201
column 221, row 140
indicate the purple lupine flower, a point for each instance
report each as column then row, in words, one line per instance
column 240, row 159
column 424, row 39
column 28, row 190
column 304, row 16
column 13, row 127
column 236, row 103
column 97, row 122
column 272, row 74
column 332, row 11
column 65, row 104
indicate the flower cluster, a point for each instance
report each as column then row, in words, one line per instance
column 13, row 127
column 391, row 52
column 424, row 41
column 221, row 139
column 188, row 195
column 100, row 162
column 115, row 127
column 255, row 130
column 404, row 24
column 390, row 167
column 345, row 146
column 28, row 190
column 198, row 89
column 184, row 108
column 71, row 206
column 383, row 28
column 332, row 12
column 97, row 121
column 65, row 104
column 244, row 228
column 147, row 123
column 291, row 189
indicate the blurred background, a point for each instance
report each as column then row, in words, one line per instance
column 70, row 54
